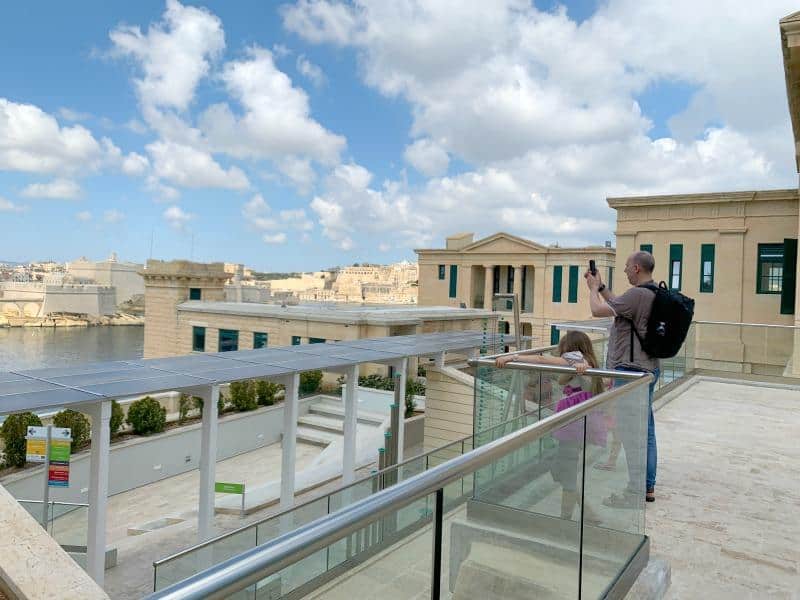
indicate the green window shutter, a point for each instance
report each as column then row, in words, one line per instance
column 295, row 340
column 646, row 248
column 198, row 339
column 558, row 271
column 789, row 276
column 316, row 340
column 195, row 294
column 555, row 335
column 675, row 266
column 573, row 284
column 707, row 268
column 228, row 340
column 453, row 280
column 259, row 340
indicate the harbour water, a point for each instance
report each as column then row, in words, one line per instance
column 37, row 347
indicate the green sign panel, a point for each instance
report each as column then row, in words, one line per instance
column 229, row 488
column 59, row 451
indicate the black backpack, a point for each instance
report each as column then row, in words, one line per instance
column 668, row 323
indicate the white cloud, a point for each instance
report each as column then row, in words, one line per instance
column 58, row 189
column 190, row 167
column 177, row 218
column 543, row 116
column 297, row 219
column 8, row 206
column 310, row 71
column 136, row 126
column 84, row 216
column 384, row 247
column 427, row 157
column 255, row 206
column 174, row 54
column 280, row 51
column 274, row 238
column 32, row 141
column 276, row 122
column 113, row 216
column 135, row 164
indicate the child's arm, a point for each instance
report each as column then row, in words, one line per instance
column 536, row 359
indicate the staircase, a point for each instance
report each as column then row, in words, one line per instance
column 324, row 423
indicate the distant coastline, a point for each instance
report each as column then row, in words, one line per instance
column 124, row 320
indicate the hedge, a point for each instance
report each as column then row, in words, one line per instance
column 147, row 416
column 13, row 432
column 77, row 423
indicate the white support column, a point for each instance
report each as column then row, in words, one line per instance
column 98, row 490
column 488, row 286
column 291, row 405
column 350, row 421
column 402, row 369
column 438, row 360
column 208, row 464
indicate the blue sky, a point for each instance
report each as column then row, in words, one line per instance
column 324, row 132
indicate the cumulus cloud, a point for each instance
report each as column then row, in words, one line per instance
column 177, row 218
column 276, row 121
column 135, row 164
column 8, row 206
column 544, row 114
column 173, row 55
column 256, row 212
column 427, row 157
column 84, row 216
column 69, row 114
column 188, row 166
column 58, row 189
column 274, row 238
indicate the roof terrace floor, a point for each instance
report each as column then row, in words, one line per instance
column 728, row 491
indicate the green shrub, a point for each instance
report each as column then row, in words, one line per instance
column 266, row 392
column 77, row 423
column 13, row 432
column 411, row 404
column 243, row 395
column 185, row 404
column 117, row 418
column 376, row 382
column 414, row 387
column 198, row 404
column 147, row 416
column 421, row 371
column 310, row 381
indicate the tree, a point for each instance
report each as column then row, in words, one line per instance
column 147, row 416
column 13, row 432
column 77, row 423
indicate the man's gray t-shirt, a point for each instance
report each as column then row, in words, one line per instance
column 635, row 304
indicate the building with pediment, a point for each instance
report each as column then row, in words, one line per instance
column 548, row 280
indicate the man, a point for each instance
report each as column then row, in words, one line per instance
column 630, row 309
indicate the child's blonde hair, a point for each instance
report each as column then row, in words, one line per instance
column 580, row 342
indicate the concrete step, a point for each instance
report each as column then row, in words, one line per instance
column 322, row 423
column 329, row 409
column 316, row 436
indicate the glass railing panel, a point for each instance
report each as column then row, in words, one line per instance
column 36, row 510
column 69, row 526
column 204, row 557
column 613, row 489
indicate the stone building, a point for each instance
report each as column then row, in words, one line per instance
column 548, row 280
column 123, row 276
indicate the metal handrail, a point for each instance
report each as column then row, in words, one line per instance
column 251, row 566
column 54, row 502
column 484, row 362
column 769, row 325
column 175, row 555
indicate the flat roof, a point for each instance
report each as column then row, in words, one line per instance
column 36, row 389
column 349, row 314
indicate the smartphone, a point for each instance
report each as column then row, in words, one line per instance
column 592, row 267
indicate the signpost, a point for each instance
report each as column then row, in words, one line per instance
column 51, row 446
column 221, row 487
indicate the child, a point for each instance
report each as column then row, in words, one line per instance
column 574, row 350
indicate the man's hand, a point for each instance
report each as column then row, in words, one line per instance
column 502, row 361
column 593, row 281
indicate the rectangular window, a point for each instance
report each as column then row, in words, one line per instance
column 453, row 280
column 646, row 248
column 195, row 294
column 675, row 266
column 769, row 274
column 295, row 340
column 558, row 271
column 555, row 335
column 198, row 339
column 610, row 282
column 259, row 340
column 441, row 272
column 316, row 340
column 573, row 284
column 228, row 340
column 707, row 268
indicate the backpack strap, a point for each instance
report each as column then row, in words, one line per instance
column 653, row 288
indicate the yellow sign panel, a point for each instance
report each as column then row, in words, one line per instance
column 34, row 450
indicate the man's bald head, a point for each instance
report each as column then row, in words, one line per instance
column 645, row 261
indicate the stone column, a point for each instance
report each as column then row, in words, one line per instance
column 488, row 287
column 518, row 284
